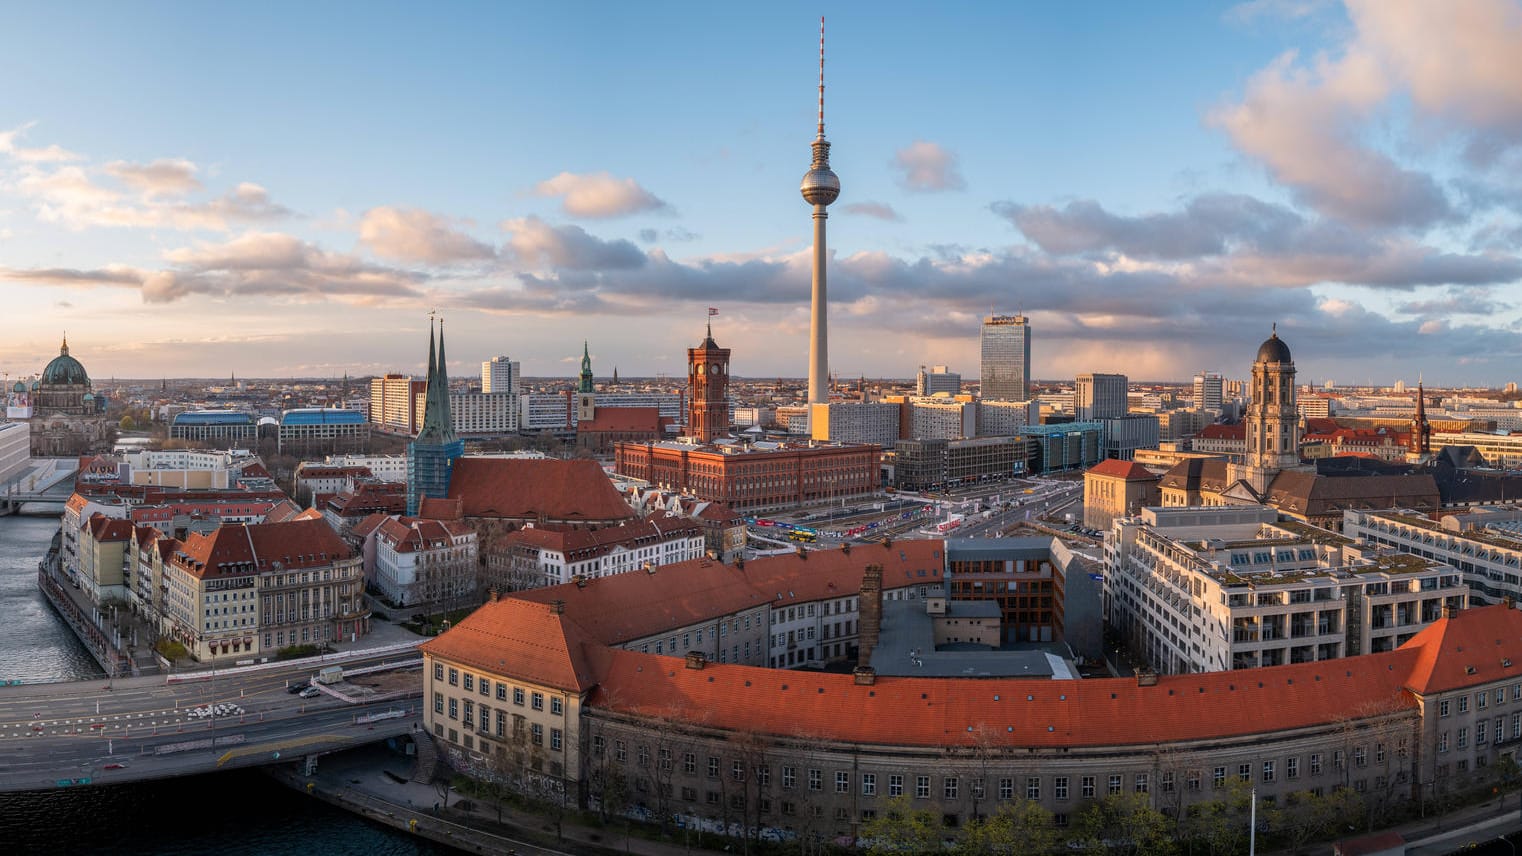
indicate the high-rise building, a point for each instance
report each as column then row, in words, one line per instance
column 499, row 374
column 393, row 402
column 1006, row 350
column 820, row 187
column 1208, row 391
column 937, row 379
column 708, row 380
column 1100, row 396
column 432, row 453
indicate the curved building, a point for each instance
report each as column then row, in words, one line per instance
column 649, row 694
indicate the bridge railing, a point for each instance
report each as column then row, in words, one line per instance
column 322, row 659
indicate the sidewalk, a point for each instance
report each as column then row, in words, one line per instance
column 358, row 780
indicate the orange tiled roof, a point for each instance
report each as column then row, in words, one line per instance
column 440, row 508
column 1128, row 470
column 621, row 607
column 1475, row 646
column 1014, row 711
column 1223, row 432
column 531, row 488
column 520, row 638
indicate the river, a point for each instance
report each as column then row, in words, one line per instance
column 239, row 813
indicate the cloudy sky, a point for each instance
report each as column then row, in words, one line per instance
column 288, row 189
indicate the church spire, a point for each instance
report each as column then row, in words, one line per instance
column 586, row 369
column 438, row 422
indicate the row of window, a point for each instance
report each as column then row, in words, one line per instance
column 1481, row 700
column 484, row 685
column 1482, row 733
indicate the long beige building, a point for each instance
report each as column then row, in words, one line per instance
column 559, row 694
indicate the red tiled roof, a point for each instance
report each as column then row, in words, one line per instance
column 103, row 528
column 623, row 419
column 1128, row 470
column 1223, row 432
column 238, row 550
column 363, row 528
column 1015, row 711
column 1475, row 646
column 516, row 637
column 534, row 488
column 622, row 607
column 440, row 508
column 410, row 534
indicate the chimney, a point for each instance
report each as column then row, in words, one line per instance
column 846, row 548
column 1511, row 602
column 580, row 580
column 1449, row 611
column 803, row 554
column 696, row 660
column 491, row 595
column 870, row 615
column 866, row 676
column 557, row 607
column 1146, row 678
column 739, row 563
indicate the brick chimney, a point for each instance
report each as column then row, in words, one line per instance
column 866, row 676
column 696, row 660
column 491, row 595
column 870, row 614
column 557, row 607
column 1146, row 678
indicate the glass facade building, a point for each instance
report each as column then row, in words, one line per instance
column 1006, row 358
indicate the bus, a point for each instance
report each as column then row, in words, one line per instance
column 801, row 535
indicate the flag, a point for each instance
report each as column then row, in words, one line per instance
column 712, row 312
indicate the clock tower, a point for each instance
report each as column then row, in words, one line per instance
column 708, row 390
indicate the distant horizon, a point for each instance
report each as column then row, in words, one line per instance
column 1152, row 185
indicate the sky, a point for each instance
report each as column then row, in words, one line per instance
column 289, row 189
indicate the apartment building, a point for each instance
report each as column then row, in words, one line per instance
column 1232, row 587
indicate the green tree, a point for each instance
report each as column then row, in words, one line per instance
column 1016, row 828
column 1221, row 826
column 1307, row 817
column 901, row 828
column 1126, row 824
column 127, row 424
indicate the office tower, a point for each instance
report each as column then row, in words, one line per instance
column 1006, row 358
column 1100, row 396
column 820, row 187
column 499, row 374
column 938, row 379
column 431, row 455
column 1208, row 391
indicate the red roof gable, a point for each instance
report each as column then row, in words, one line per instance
column 440, row 508
column 515, row 637
column 1224, row 432
column 623, row 419
column 239, row 550
column 1475, row 646
column 534, row 488
column 1128, row 470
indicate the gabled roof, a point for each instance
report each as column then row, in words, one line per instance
column 534, row 488
column 617, row 608
column 1128, row 470
column 235, row 549
column 1474, row 646
column 103, row 528
column 623, row 419
column 520, row 638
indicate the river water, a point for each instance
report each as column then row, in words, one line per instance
column 239, row 813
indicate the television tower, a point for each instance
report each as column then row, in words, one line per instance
column 820, row 187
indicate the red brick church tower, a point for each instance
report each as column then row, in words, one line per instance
column 708, row 390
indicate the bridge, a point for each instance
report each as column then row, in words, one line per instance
column 93, row 733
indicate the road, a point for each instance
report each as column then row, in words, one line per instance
column 81, row 730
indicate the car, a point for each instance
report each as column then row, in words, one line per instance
column 114, row 767
column 310, row 692
column 296, row 688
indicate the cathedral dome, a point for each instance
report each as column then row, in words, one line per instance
column 1273, row 350
column 19, row 387
column 64, row 370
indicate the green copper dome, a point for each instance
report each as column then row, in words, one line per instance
column 65, row 370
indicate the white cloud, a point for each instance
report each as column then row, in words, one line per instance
column 163, row 177
column 927, row 167
column 535, row 242
column 879, row 210
column 599, row 195
column 410, row 234
column 47, row 154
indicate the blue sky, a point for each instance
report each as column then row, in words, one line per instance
column 288, row 189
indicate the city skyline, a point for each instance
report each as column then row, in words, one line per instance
column 1150, row 189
